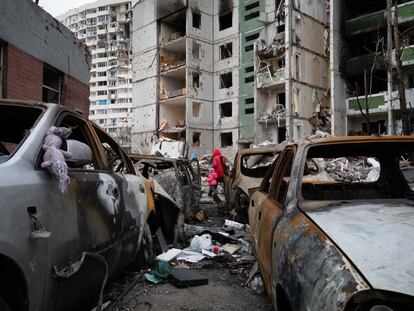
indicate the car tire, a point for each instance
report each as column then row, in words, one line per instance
column 3, row 305
column 145, row 256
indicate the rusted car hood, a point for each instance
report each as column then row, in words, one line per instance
column 376, row 236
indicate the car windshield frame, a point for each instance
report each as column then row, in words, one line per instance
column 27, row 132
column 366, row 148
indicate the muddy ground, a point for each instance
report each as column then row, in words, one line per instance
column 225, row 290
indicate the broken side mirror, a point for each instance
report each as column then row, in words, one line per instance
column 81, row 153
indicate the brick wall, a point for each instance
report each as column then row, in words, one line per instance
column 75, row 95
column 23, row 79
column 23, row 75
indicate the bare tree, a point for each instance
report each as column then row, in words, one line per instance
column 368, row 83
column 399, row 72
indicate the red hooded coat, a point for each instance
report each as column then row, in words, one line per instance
column 218, row 163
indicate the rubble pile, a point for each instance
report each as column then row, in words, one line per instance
column 224, row 246
column 345, row 170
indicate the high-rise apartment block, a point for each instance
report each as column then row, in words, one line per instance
column 228, row 73
column 105, row 27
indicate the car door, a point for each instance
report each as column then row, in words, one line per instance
column 134, row 198
column 85, row 224
column 269, row 210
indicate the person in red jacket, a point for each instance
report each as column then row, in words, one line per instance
column 218, row 164
column 212, row 182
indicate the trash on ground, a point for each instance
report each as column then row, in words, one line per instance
column 159, row 274
column 169, row 255
column 233, row 224
column 185, row 277
column 208, row 253
column 230, row 248
column 190, row 256
column 199, row 243
column 257, row 285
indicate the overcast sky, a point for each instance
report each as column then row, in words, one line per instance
column 57, row 7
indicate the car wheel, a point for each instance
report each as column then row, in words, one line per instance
column 145, row 257
column 3, row 305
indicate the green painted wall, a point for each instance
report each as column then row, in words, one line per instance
column 373, row 103
column 378, row 19
column 250, row 29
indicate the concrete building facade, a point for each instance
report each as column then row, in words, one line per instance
column 229, row 73
column 186, row 73
column 105, row 26
column 292, row 87
column 40, row 59
column 361, row 44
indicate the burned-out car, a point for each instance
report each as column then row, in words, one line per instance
column 177, row 182
column 58, row 249
column 333, row 225
column 249, row 168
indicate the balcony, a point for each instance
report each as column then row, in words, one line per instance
column 376, row 20
column 174, row 94
column 376, row 103
column 267, row 79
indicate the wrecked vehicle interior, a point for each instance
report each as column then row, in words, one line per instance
column 176, row 181
column 250, row 166
column 342, row 207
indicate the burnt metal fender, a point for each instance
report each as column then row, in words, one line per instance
column 310, row 269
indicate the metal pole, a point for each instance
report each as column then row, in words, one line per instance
column 391, row 125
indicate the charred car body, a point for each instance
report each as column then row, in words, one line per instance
column 177, row 182
column 333, row 223
column 249, row 168
column 57, row 250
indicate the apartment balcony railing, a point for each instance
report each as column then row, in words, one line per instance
column 172, row 94
column 267, row 79
column 375, row 20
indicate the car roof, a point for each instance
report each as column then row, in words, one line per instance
column 312, row 140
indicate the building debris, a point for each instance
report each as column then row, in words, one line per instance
column 182, row 277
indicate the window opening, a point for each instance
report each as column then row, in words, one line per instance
column 249, row 69
column 249, row 79
column 251, row 15
column 248, row 101
column 252, row 6
column 226, row 80
column 225, row 14
column 196, row 109
column 196, row 139
column 196, row 80
column 51, row 88
column 226, row 110
column 226, row 139
column 248, row 48
column 249, row 111
column 196, row 20
column 226, row 50
column 196, row 50
column 252, row 37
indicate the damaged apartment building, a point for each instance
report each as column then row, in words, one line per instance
column 220, row 73
column 291, row 66
column 227, row 74
column 186, row 73
column 363, row 65
column 105, row 26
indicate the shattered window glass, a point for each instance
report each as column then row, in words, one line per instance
column 358, row 171
column 16, row 123
column 256, row 165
